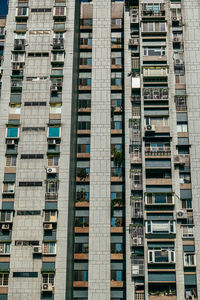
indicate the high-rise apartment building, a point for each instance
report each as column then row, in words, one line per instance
column 100, row 150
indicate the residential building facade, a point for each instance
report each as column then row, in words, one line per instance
column 99, row 150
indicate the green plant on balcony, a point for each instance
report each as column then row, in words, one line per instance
column 116, row 202
column 81, row 196
column 82, row 174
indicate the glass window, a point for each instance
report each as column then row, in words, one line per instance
column 15, row 108
column 12, row 132
column 54, row 132
column 55, row 109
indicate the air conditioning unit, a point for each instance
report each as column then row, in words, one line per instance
column 37, row 250
column 51, row 170
column 181, row 214
column 5, row 227
column 174, row 19
column 150, row 128
column 10, row 142
column 48, row 226
column 135, row 270
column 47, row 287
column 179, row 160
column 52, row 142
column 176, row 39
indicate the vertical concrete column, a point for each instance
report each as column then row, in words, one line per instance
column 99, row 216
column 192, row 65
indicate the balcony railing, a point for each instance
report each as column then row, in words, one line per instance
column 157, row 151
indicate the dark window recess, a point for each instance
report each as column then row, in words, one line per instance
column 27, row 243
column 30, row 183
column 39, row 10
column 38, row 54
column 32, row 156
column 25, row 274
column 33, row 128
column 35, row 103
column 28, row 212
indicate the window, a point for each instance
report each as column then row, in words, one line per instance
column 85, row 81
column 117, row 275
column 54, row 132
column 50, row 216
column 59, row 11
column 9, row 187
column 25, row 274
column 83, row 148
column 154, row 27
column 12, row 132
column 15, row 109
column 189, row 259
column 18, row 57
column 81, row 248
column 159, row 198
column 53, row 161
column 11, row 160
column 52, row 186
column 180, row 79
column 4, row 248
column 81, row 221
column 160, row 227
column 182, row 127
column 6, row 216
column 155, row 94
column 55, row 108
column 86, row 22
column 161, row 256
column 40, row 10
column 117, row 222
column 57, row 56
column 157, row 121
column 81, row 275
column 184, row 178
column 22, row 11
column 32, row 156
column 116, row 22
column 4, row 279
column 154, row 51
column 48, row 278
column 49, row 248
column 86, row 38
column 187, row 203
column 30, row 183
column 28, row 212
column 117, row 248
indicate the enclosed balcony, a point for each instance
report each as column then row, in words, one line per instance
column 155, row 94
column 157, row 150
column 51, row 190
column 136, row 235
column 159, row 199
column 58, row 43
column 161, row 256
column 137, row 265
column 137, row 208
column 136, row 179
column 155, row 10
column 19, row 44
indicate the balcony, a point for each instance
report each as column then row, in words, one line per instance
column 136, row 180
column 137, row 264
column 188, row 231
column 136, row 235
column 153, row 11
column 154, row 199
column 137, row 209
column 152, row 152
column 155, row 94
column 58, row 43
column 19, row 44
column 85, row 24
